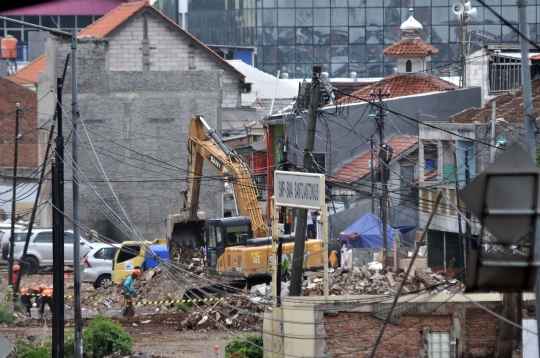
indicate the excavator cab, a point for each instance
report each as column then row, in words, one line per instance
column 222, row 233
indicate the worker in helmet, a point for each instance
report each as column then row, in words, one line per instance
column 46, row 299
column 129, row 293
column 15, row 275
column 26, row 299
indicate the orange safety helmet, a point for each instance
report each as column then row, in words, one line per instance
column 43, row 287
column 24, row 291
column 16, row 267
column 137, row 272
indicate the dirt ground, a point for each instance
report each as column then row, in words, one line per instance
column 154, row 333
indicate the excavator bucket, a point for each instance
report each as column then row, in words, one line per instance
column 185, row 231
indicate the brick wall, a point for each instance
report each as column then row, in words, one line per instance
column 482, row 332
column 169, row 51
column 10, row 94
column 357, row 332
column 353, row 334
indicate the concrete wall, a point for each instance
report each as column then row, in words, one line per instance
column 138, row 123
column 348, row 326
column 169, row 51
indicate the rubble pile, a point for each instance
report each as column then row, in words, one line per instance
column 155, row 285
column 231, row 314
column 187, row 257
column 369, row 281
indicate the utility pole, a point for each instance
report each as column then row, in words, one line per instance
column 300, row 230
column 530, row 146
column 467, row 212
column 76, row 220
column 462, row 246
column 493, row 124
column 383, row 159
column 372, row 165
column 462, row 20
column 34, row 209
column 14, row 197
column 58, row 233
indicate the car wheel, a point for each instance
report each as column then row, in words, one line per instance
column 32, row 267
column 103, row 281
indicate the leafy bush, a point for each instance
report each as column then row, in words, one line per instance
column 238, row 348
column 30, row 349
column 181, row 306
column 6, row 316
column 103, row 336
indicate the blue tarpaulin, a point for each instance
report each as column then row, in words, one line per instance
column 369, row 231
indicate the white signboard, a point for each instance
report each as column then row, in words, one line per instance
column 129, row 266
column 298, row 190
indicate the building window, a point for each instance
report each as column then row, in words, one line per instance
column 408, row 66
column 504, row 73
column 439, row 345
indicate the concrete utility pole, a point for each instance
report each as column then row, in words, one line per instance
column 462, row 20
column 530, row 146
column 300, row 231
column 372, row 165
column 14, row 196
column 58, row 231
column 383, row 156
column 77, row 305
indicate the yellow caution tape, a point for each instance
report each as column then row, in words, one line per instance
column 141, row 303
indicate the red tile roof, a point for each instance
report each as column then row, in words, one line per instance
column 509, row 106
column 105, row 25
column 12, row 93
column 359, row 167
column 28, row 75
column 399, row 85
column 410, row 48
column 110, row 21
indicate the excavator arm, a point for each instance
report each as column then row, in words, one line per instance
column 186, row 227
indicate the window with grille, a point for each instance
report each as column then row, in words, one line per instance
column 439, row 345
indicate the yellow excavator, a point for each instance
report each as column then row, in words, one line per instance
column 237, row 246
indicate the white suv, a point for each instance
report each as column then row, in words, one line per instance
column 97, row 266
column 40, row 252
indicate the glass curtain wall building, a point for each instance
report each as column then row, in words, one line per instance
column 347, row 35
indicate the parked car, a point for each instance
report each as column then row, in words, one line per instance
column 40, row 252
column 97, row 264
column 5, row 234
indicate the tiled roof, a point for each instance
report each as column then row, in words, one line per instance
column 110, row 21
column 359, row 167
column 107, row 24
column 410, row 47
column 12, row 93
column 29, row 74
column 399, row 85
column 509, row 106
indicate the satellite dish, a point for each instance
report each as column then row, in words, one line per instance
column 473, row 13
column 467, row 6
column 458, row 8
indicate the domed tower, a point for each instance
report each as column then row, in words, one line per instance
column 411, row 51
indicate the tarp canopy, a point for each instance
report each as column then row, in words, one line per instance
column 367, row 232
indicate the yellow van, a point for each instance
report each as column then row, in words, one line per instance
column 131, row 255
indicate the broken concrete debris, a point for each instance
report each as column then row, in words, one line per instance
column 366, row 280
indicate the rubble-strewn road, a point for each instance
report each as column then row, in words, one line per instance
column 157, row 334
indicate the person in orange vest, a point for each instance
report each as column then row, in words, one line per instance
column 46, row 299
column 15, row 275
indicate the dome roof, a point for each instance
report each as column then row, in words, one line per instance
column 411, row 25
